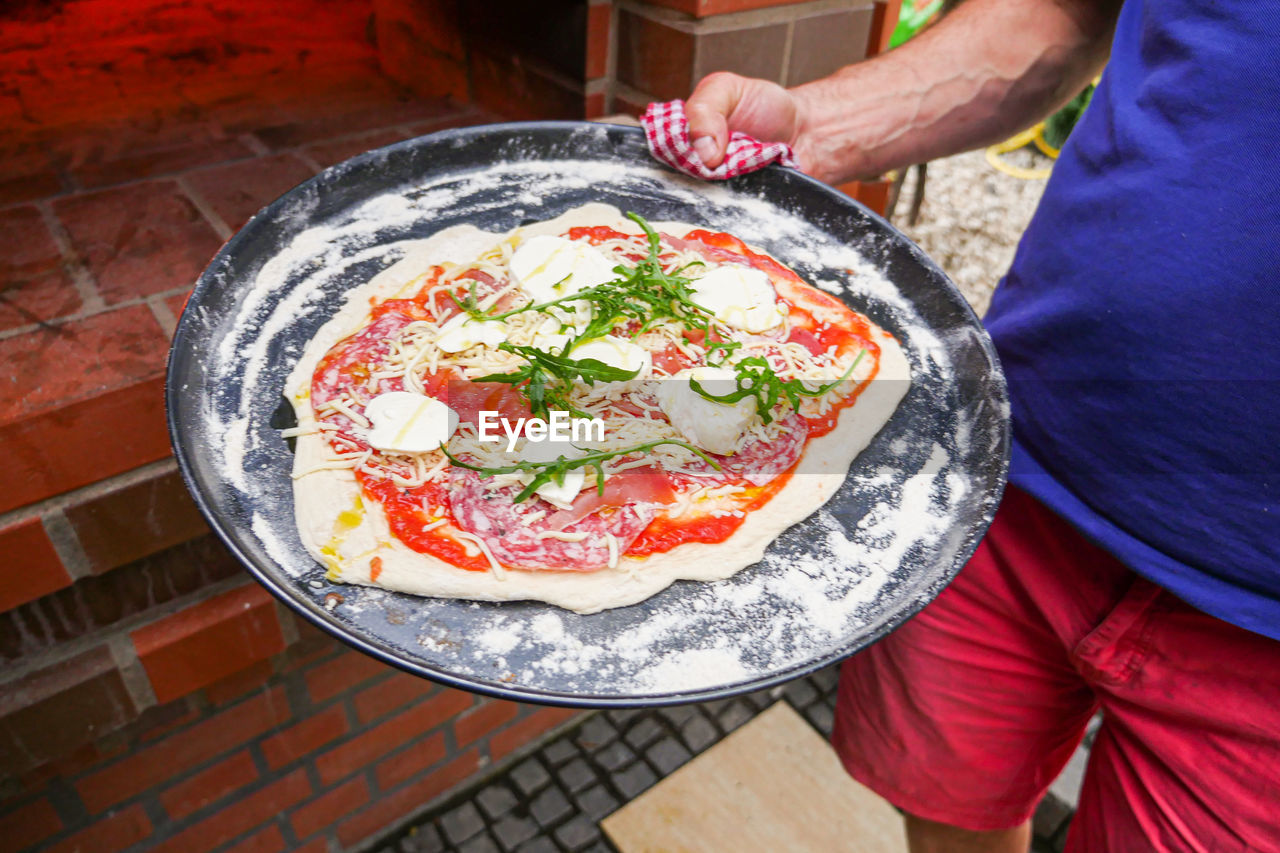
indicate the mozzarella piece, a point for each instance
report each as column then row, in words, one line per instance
column 548, row 267
column 742, row 297
column 557, row 495
column 462, row 333
column 409, row 423
column 715, row 427
column 562, row 496
column 615, row 352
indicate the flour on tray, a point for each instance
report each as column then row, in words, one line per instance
column 795, row 606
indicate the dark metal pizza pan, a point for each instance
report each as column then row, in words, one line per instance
column 910, row 513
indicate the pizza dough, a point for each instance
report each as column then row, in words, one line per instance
column 345, row 531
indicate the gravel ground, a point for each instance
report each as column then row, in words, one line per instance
column 972, row 218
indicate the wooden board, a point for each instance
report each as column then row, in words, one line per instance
column 773, row 785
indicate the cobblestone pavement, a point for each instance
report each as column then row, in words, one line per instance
column 553, row 800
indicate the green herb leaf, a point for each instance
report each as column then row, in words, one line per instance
column 548, row 472
column 755, row 378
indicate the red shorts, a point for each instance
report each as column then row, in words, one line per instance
column 967, row 713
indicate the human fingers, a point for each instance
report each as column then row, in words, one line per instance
column 708, row 110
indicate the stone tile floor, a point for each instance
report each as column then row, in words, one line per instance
column 553, row 800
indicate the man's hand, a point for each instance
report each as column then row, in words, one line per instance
column 725, row 102
column 986, row 71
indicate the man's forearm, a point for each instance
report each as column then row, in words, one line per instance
column 988, row 70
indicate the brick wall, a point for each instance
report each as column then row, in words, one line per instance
column 311, row 747
column 150, row 694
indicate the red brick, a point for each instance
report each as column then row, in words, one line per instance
column 87, row 441
column 20, row 188
column 332, row 677
column 478, row 722
column 129, row 523
column 411, row 761
column 598, row 19
column 148, row 157
column 364, row 117
column 164, row 719
column 389, row 808
column 117, row 831
column 50, row 367
column 34, row 287
column 464, row 119
column 521, row 90
column 421, row 46
column 390, row 735
column 209, row 640
column 654, row 57
column 214, row 783
column 386, row 696
column 35, row 569
column 268, row 840
column 179, row 752
column 238, row 190
column 328, row 153
column 176, row 303
column 528, row 730
column 242, row 815
column 48, row 713
column 320, row 845
column 707, row 8
column 139, row 240
column 239, row 684
column 327, row 808
column 305, row 737
column 594, row 105
column 29, row 825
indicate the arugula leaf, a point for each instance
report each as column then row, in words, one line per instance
column 548, row 472
column 547, row 379
column 755, row 378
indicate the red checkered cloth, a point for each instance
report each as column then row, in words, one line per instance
column 667, row 130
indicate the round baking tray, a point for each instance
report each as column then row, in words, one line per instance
column 909, row 514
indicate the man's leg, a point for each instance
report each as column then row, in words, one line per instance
column 927, row 836
column 966, row 714
column 1188, row 756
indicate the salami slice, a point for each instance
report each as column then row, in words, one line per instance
column 759, row 462
column 503, row 524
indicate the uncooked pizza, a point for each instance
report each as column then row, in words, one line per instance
column 581, row 412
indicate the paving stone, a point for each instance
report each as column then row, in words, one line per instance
column 462, row 823
column 699, row 734
column 550, row 807
column 578, row 833
column 735, row 715
column 559, row 751
column 635, row 779
column 480, row 844
column 761, row 699
column 576, row 775
column 621, row 718
column 596, row 803
column 667, row 754
column 600, row 846
column 801, row 693
column 615, row 755
column 825, row 679
column 530, row 776
column 541, row 844
column 822, row 717
column 643, row 732
column 496, row 800
column 595, row 733
column 680, row 714
column 426, row 839
column 512, row 831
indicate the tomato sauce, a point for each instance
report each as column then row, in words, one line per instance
column 405, row 507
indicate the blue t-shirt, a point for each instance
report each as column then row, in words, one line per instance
column 1139, row 324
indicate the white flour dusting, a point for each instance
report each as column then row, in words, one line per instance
column 799, row 603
